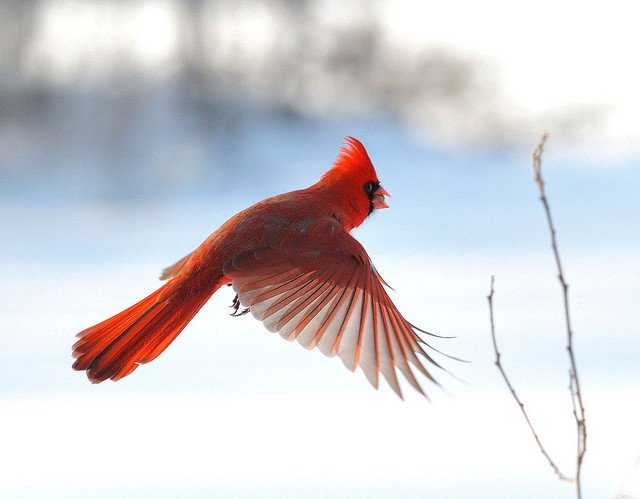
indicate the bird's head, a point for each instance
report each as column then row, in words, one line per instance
column 352, row 183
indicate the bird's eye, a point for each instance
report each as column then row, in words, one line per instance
column 369, row 187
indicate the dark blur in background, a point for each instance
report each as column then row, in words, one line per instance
column 130, row 98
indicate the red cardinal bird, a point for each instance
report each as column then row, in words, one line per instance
column 293, row 263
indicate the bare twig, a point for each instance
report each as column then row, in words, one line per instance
column 574, row 382
column 553, row 465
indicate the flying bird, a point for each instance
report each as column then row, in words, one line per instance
column 294, row 265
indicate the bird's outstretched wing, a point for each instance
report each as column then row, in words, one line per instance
column 330, row 296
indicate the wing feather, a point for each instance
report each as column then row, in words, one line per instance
column 289, row 324
column 306, row 329
column 332, row 312
column 367, row 353
column 386, row 353
column 346, row 343
column 333, row 300
column 400, row 359
column 304, row 303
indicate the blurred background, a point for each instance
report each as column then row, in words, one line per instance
column 130, row 130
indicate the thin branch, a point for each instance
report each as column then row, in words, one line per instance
column 574, row 381
column 553, row 465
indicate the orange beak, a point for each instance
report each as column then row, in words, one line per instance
column 379, row 198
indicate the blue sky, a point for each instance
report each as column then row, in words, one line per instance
column 247, row 412
column 106, row 181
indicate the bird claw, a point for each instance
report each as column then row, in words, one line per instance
column 236, row 307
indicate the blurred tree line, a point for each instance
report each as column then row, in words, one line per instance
column 101, row 84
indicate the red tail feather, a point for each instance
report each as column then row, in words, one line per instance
column 114, row 348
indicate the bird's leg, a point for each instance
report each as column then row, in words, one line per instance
column 236, row 307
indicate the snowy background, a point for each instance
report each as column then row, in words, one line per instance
column 130, row 131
